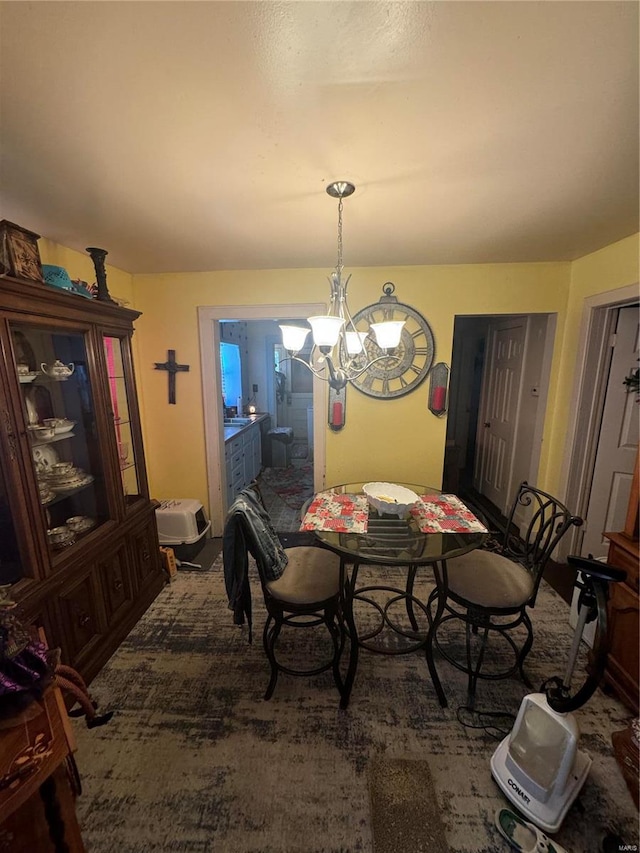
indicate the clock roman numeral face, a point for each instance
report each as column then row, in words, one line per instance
column 400, row 371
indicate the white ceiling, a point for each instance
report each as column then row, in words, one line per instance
column 185, row 136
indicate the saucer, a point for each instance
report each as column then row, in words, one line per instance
column 68, row 485
column 27, row 377
column 81, row 523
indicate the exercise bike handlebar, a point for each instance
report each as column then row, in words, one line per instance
column 596, row 569
column 594, row 595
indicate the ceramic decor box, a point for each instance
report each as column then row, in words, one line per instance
column 19, row 253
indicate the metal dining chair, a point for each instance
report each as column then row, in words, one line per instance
column 490, row 591
column 300, row 585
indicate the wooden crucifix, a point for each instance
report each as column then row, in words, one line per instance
column 172, row 367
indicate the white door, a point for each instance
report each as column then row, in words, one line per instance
column 499, row 411
column 617, row 443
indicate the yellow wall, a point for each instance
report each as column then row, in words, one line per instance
column 396, row 439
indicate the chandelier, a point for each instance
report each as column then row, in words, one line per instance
column 338, row 354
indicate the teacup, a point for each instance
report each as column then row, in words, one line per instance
column 58, row 535
column 61, row 468
column 23, row 369
column 53, row 422
column 78, row 523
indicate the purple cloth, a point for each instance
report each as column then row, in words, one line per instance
column 23, row 678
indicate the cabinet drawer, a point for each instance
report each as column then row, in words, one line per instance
column 233, row 446
column 623, row 559
column 248, row 435
column 116, row 584
column 81, row 616
column 237, row 476
column 145, row 555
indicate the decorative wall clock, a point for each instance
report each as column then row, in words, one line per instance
column 408, row 365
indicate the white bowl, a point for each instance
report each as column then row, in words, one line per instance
column 390, row 498
column 64, row 426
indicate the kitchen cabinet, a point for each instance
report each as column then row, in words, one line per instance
column 78, row 537
column 624, row 628
column 243, row 457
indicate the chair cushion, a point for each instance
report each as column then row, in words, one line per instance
column 489, row 580
column 312, row 574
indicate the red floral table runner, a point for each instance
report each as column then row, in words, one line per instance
column 337, row 512
column 445, row 514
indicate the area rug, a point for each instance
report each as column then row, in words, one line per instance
column 292, row 485
column 195, row 760
column 405, row 814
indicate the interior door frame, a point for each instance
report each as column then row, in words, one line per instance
column 208, row 326
column 536, row 371
column 587, row 402
column 495, row 325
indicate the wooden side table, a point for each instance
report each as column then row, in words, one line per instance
column 37, row 800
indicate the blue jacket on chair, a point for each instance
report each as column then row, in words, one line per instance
column 248, row 530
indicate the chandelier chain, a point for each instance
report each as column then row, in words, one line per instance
column 340, row 265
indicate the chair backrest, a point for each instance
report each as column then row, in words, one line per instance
column 547, row 521
column 258, row 533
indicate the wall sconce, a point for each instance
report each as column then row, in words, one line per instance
column 438, row 389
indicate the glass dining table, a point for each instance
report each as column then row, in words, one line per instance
column 438, row 527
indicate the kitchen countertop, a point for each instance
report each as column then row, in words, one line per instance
column 232, row 431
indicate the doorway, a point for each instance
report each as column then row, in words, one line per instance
column 497, row 398
column 602, row 439
column 209, row 318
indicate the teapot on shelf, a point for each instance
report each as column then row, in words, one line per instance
column 58, row 370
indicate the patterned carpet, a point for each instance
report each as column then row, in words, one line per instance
column 194, row 760
column 292, row 485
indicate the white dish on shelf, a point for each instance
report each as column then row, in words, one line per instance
column 40, row 432
column 44, row 456
column 60, row 425
column 70, row 485
column 81, row 523
column 60, row 480
column 61, row 536
column 27, row 377
column 46, row 495
column 37, row 441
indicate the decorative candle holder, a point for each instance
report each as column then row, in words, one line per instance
column 337, row 406
column 438, row 388
column 98, row 256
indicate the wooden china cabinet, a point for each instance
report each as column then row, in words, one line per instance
column 623, row 662
column 78, row 538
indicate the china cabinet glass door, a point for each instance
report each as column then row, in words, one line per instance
column 59, row 410
column 116, row 351
column 10, row 561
